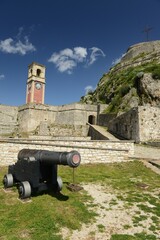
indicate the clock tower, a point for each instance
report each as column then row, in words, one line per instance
column 35, row 83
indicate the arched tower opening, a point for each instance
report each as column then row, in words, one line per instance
column 38, row 72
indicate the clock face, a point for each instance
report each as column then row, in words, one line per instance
column 38, row 86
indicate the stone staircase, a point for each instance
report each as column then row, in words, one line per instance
column 100, row 133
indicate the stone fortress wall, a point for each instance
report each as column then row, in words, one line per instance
column 139, row 54
column 31, row 116
column 139, row 124
column 8, row 119
column 46, row 119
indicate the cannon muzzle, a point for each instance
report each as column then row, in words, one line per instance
column 71, row 159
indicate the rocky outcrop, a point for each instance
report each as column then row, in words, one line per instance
column 133, row 82
column 150, row 88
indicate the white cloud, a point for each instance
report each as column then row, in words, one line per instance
column 10, row 46
column 88, row 89
column 95, row 53
column 80, row 53
column 117, row 60
column 2, row 76
column 67, row 59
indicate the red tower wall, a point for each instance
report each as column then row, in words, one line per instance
column 38, row 95
column 29, row 93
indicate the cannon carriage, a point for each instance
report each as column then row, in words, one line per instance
column 37, row 170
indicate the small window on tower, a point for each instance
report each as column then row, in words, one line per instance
column 38, row 72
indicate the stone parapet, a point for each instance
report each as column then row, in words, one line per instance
column 91, row 151
column 31, row 116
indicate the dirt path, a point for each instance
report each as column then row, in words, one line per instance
column 147, row 152
column 113, row 217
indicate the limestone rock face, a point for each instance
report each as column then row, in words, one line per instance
column 130, row 100
column 151, row 88
column 133, row 82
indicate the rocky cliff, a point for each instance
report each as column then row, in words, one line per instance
column 134, row 81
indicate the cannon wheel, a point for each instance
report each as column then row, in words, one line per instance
column 60, row 183
column 8, row 180
column 24, row 190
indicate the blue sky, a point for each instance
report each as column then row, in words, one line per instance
column 77, row 40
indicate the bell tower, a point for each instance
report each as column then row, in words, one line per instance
column 35, row 83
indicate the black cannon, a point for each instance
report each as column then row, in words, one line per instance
column 36, row 171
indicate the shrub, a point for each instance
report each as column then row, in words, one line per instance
column 156, row 73
column 155, row 70
column 124, row 90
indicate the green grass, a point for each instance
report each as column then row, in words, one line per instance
column 141, row 236
column 46, row 215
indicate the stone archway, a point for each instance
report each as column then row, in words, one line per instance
column 92, row 119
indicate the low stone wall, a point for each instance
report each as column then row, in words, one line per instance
column 153, row 144
column 91, row 151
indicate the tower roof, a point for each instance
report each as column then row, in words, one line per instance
column 35, row 63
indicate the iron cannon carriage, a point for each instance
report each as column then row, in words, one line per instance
column 36, row 171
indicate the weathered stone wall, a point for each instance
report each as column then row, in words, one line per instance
column 149, row 123
column 49, row 120
column 140, row 124
column 140, row 48
column 126, row 125
column 8, row 119
column 31, row 116
column 139, row 54
column 91, row 151
column 76, row 113
column 68, row 130
column 104, row 119
column 95, row 134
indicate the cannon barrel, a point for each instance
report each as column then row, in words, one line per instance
column 71, row 159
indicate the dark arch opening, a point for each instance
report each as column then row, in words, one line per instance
column 92, row 119
column 38, row 72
